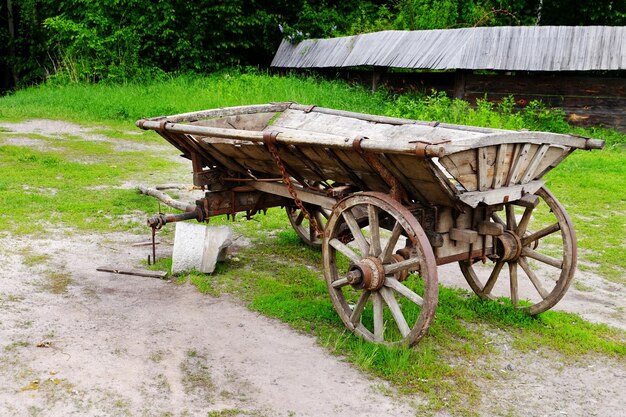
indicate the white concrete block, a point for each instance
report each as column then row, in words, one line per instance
column 199, row 247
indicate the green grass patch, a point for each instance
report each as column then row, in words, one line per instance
column 79, row 186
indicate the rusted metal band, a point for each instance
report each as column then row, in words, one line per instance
column 310, row 108
column 269, row 138
column 356, row 143
column 140, row 124
column 429, row 150
column 420, row 149
column 162, row 125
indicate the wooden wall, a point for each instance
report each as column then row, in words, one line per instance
column 588, row 100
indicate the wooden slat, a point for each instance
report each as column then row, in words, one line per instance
column 531, row 170
column 481, row 172
column 519, row 160
column 501, row 165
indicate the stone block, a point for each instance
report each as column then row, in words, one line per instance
column 199, row 247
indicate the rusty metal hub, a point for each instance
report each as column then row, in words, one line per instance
column 400, row 275
column 368, row 274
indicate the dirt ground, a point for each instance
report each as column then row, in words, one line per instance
column 74, row 341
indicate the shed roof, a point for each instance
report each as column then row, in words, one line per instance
column 513, row 48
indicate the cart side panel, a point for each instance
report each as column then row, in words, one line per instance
column 507, row 164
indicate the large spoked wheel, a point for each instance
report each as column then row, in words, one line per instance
column 383, row 295
column 534, row 260
column 302, row 226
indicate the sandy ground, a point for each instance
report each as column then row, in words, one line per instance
column 74, row 341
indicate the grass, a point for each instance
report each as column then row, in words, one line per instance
column 79, row 184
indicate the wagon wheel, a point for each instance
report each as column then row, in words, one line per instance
column 379, row 298
column 539, row 250
column 302, row 226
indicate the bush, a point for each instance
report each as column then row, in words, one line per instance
column 502, row 115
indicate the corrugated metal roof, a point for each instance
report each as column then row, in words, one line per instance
column 513, row 48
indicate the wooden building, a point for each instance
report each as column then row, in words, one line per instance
column 581, row 69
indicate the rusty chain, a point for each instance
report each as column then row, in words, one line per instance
column 270, row 142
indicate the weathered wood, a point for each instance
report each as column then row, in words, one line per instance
column 481, row 172
column 464, row 235
column 500, row 173
column 490, row 228
column 528, row 201
column 221, row 112
column 306, row 196
column 166, row 199
column 520, row 159
column 500, row 195
column 130, row 271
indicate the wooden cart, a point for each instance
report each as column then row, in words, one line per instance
column 388, row 200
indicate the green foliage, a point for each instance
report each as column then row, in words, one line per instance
column 503, row 115
column 437, row 14
column 119, row 40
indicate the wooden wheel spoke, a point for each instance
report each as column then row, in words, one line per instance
column 372, row 213
column 493, row 278
column 410, row 263
column 511, row 222
column 356, row 232
column 513, row 283
column 385, row 257
column 542, row 258
column 403, row 290
column 394, row 307
column 355, row 316
column 497, row 219
column 300, row 218
column 321, row 220
column 533, row 278
column 379, row 325
column 523, row 224
column 548, row 230
column 344, row 249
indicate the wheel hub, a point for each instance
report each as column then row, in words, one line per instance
column 508, row 246
column 368, row 274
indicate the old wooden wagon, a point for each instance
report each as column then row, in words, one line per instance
column 388, row 200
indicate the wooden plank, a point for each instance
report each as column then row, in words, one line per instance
column 551, row 159
column 520, row 158
column 464, row 235
column 280, row 189
column 501, row 166
column 130, row 271
column 249, row 121
column 531, row 171
column 490, row 228
column 500, row 195
column 481, row 172
column 225, row 111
